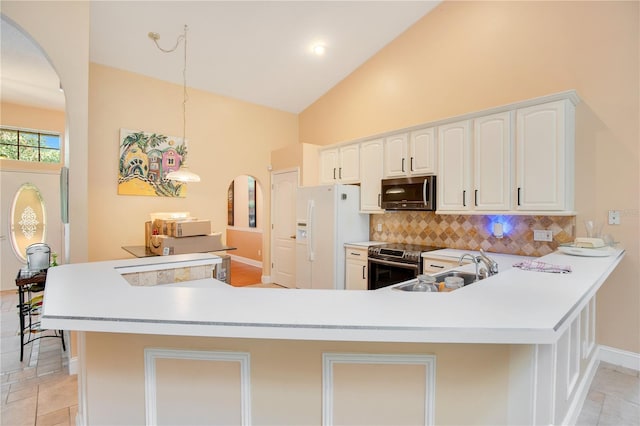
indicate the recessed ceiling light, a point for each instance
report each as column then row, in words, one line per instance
column 319, row 49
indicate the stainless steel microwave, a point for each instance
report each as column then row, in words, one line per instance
column 411, row 193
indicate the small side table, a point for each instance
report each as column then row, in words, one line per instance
column 28, row 283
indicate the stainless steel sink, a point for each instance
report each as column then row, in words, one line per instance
column 468, row 277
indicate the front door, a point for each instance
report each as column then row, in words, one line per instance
column 48, row 184
column 284, row 186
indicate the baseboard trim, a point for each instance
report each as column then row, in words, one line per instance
column 619, row 357
column 266, row 279
column 246, row 260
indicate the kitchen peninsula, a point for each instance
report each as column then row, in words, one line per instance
column 515, row 348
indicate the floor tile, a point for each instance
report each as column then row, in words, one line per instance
column 19, row 413
column 618, row 412
column 57, row 395
column 615, row 383
column 56, row 418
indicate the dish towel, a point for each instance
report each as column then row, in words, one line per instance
column 536, row 265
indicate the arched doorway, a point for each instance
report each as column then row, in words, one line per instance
column 245, row 223
column 33, row 107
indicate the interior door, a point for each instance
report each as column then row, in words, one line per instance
column 48, row 183
column 284, row 186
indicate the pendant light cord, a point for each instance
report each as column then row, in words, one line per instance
column 185, row 96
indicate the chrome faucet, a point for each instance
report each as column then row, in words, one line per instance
column 474, row 259
column 492, row 265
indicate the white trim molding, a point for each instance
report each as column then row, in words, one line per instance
column 330, row 359
column 619, row 357
column 245, row 260
column 152, row 354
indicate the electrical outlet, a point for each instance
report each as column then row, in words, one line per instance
column 542, row 235
column 614, row 217
column 379, row 227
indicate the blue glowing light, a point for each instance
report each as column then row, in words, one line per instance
column 506, row 226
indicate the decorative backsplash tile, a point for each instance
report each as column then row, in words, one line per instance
column 473, row 232
column 169, row 276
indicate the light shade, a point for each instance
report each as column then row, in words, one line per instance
column 183, row 174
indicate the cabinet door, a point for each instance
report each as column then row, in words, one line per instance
column 356, row 268
column 492, row 148
column 371, row 161
column 540, row 157
column 329, row 163
column 395, row 156
column 349, row 167
column 422, row 152
column 454, row 163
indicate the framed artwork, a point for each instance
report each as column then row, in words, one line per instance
column 251, row 185
column 145, row 160
column 230, row 211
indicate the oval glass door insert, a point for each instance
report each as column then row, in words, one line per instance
column 28, row 219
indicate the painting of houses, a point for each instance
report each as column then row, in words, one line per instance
column 145, row 160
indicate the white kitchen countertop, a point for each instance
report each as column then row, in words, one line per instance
column 364, row 244
column 514, row 306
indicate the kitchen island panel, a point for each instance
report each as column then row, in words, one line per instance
column 286, row 379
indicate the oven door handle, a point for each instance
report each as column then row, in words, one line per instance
column 398, row 264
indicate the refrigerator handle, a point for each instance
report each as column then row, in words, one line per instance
column 310, row 230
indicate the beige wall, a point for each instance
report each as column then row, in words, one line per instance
column 248, row 243
column 226, row 138
column 469, row 56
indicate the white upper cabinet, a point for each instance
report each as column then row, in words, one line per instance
column 395, row 155
column 410, row 154
column 371, row 166
column 340, row 165
column 454, row 165
column 545, row 157
column 493, row 162
column 422, row 152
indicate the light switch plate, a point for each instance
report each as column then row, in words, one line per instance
column 614, row 217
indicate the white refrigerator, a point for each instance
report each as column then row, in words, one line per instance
column 327, row 218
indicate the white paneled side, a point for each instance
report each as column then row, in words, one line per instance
column 591, row 335
column 151, row 355
column 545, row 374
column 573, row 357
column 331, row 360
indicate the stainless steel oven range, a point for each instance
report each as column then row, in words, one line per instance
column 394, row 263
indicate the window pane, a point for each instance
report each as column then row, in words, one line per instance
column 28, row 153
column 30, row 139
column 9, row 136
column 9, row 151
column 50, row 141
column 49, row 155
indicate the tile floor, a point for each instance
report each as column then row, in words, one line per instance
column 613, row 399
column 39, row 391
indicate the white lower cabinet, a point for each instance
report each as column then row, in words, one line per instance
column 356, row 268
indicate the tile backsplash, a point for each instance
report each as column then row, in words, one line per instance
column 169, row 276
column 473, row 232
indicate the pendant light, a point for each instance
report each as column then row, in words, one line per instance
column 183, row 174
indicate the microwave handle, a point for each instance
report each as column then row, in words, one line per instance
column 424, row 192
